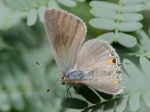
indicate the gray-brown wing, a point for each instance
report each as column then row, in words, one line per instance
column 101, row 80
column 100, row 64
column 97, row 54
column 110, row 83
column 66, row 33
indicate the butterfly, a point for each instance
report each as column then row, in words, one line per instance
column 94, row 63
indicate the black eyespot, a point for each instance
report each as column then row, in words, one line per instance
column 114, row 60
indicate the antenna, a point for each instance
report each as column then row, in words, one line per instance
column 54, row 89
column 46, row 67
column 48, row 90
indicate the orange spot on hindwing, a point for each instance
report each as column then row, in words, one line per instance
column 112, row 61
column 115, row 82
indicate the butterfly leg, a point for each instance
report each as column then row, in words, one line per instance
column 68, row 92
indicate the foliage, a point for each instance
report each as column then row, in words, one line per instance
column 23, row 84
column 35, row 8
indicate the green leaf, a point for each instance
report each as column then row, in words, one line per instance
column 86, row 109
column 5, row 104
column 146, row 97
column 68, row 3
column 17, row 101
column 73, row 103
column 41, row 11
column 132, row 8
column 80, row 0
column 134, row 102
column 107, row 5
column 129, row 26
column 129, row 86
column 145, row 64
column 104, row 95
column 136, row 74
column 53, row 4
column 17, row 4
column 91, row 96
column 135, row 98
column 96, row 108
column 31, row 17
column 121, row 104
column 129, row 17
column 127, row 40
column 104, row 13
column 9, row 18
column 33, row 99
column 122, row 18
column 109, row 106
column 143, row 48
column 103, row 24
column 131, row 1
column 143, row 39
column 147, row 5
column 30, row 3
column 109, row 37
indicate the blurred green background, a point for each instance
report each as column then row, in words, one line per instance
column 23, row 40
column 23, row 84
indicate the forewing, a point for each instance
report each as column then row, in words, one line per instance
column 100, row 64
column 66, row 33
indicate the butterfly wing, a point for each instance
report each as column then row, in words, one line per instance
column 100, row 64
column 111, row 83
column 66, row 33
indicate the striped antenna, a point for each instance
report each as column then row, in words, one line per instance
column 46, row 67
